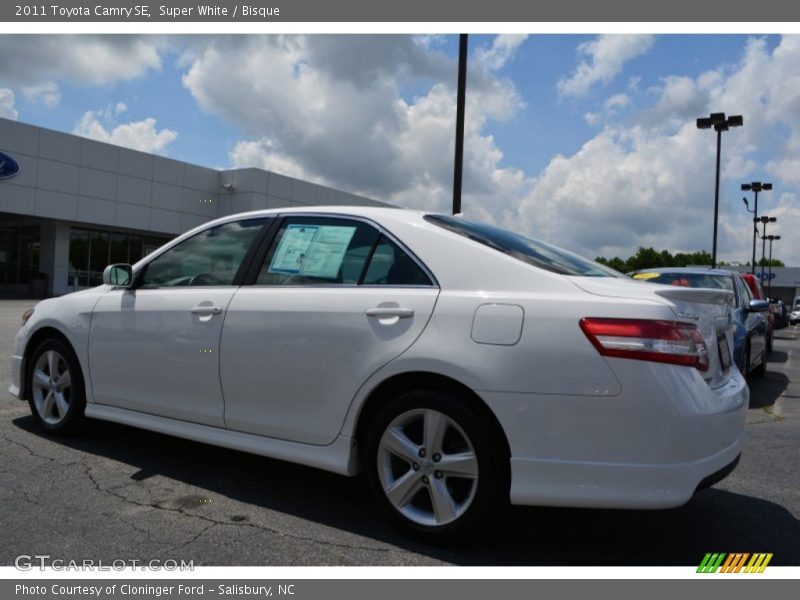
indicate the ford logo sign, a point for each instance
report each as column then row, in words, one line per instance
column 8, row 166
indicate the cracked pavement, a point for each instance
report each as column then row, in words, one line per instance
column 116, row 492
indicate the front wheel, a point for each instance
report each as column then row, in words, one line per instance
column 434, row 464
column 57, row 398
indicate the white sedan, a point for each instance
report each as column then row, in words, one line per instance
column 459, row 366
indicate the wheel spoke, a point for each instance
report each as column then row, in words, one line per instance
column 41, row 378
column 396, row 442
column 65, row 379
column 62, row 404
column 403, row 490
column 52, row 363
column 444, row 507
column 435, row 428
column 463, row 464
column 47, row 405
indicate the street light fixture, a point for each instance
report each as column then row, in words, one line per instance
column 764, row 220
column 720, row 124
column 771, row 239
column 755, row 187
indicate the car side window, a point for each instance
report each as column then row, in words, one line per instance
column 333, row 251
column 209, row 258
column 318, row 251
column 747, row 295
column 390, row 265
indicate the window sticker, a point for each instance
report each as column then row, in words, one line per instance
column 312, row 250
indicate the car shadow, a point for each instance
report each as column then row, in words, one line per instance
column 715, row 520
column 765, row 390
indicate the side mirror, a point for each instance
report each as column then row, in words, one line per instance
column 758, row 306
column 119, row 275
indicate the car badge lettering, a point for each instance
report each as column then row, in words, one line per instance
column 691, row 316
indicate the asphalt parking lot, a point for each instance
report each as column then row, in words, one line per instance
column 122, row 493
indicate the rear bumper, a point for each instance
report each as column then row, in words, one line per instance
column 604, row 485
column 649, row 447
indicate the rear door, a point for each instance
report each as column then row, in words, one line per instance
column 332, row 301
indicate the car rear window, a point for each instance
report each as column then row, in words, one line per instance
column 536, row 253
column 693, row 280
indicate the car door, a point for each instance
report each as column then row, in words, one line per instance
column 333, row 301
column 755, row 323
column 155, row 348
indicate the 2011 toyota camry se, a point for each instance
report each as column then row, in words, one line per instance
column 459, row 366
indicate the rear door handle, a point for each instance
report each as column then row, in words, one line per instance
column 205, row 310
column 385, row 312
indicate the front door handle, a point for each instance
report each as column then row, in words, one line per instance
column 387, row 312
column 205, row 310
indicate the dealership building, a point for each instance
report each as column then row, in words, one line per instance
column 75, row 205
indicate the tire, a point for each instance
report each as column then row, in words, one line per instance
column 427, row 502
column 57, row 404
column 769, row 343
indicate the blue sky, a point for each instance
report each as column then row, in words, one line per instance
column 586, row 141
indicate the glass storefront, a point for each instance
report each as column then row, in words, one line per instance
column 91, row 251
column 19, row 253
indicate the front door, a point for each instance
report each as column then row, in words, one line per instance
column 155, row 348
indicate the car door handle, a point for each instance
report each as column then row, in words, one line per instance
column 205, row 310
column 384, row 312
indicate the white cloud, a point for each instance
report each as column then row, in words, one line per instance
column 502, row 50
column 651, row 183
column 46, row 92
column 335, row 109
column 138, row 135
column 86, row 59
column 7, row 108
column 120, row 107
column 611, row 106
column 606, row 57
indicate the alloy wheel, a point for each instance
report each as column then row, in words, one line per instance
column 52, row 387
column 427, row 467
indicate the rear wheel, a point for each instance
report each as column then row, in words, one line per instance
column 434, row 465
column 57, row 398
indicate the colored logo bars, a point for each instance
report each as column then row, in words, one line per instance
column 735, row 562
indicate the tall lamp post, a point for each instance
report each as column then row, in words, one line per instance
column 755, row 187
column 461, row 95
column 764, row 220
column 720, row 124
column 771, row 239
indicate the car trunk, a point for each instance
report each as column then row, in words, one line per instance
column 709, row 309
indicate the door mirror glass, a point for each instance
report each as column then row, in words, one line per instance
column 119, row 275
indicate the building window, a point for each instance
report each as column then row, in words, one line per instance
column 91, row 251
column 19, row 253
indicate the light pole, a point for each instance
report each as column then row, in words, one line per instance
column 458, row 163
column 720, row 124
column 764, row 220
column 771, row 239
column 756, row 187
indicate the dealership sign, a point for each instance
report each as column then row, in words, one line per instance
column 8, row 166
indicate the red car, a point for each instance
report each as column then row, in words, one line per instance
column 754, row 285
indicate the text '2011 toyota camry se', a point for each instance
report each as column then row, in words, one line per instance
column 459, row 366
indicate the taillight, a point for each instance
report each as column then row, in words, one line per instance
column 657, row 341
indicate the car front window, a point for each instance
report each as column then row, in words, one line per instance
column 209, row 258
